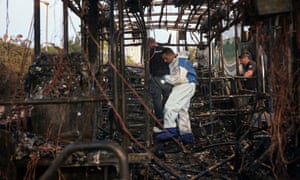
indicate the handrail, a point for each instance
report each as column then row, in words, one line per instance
column 123, row 162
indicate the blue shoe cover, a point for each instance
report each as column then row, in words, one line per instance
column 171, row 132
column 187, row 138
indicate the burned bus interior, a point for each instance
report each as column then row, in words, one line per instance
column 88, row 114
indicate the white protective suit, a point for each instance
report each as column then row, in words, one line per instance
column 183, row 76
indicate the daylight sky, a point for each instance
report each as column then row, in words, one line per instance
column 18, row 17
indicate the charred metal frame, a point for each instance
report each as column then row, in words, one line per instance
column 108, row 146
column 37, row 27
column 203, row 17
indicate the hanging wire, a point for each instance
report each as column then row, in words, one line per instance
column 73, row 27
column 54, row 35
column 27, row 44
column 7, row 18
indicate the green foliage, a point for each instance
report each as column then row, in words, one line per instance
column 129, row 61
column 75, row 46
column 192, row 52
column 229, row 50
column 16, row 57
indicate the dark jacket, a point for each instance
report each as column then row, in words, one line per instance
column 157, row 65
column 250, row 83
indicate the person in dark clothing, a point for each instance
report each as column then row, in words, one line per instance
column 158, row 68
column 249, row 67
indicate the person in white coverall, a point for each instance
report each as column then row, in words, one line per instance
column 176, row 117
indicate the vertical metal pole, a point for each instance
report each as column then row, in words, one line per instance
column 147, row 98
column 83, row 29
column 93, row 30
column 37, row 28
column 46, row 24
column 237, row 62
column 113, row 59
column 66, row 38
column 209, row 65
column 221, row 54
column 296, row 63
column 236, row 47
column 93, row 13
column 46, row 43
column 122, row 62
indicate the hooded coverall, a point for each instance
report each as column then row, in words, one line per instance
column 183, row 76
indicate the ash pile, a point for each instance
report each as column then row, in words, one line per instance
column 52, row 76
column 40, row 130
